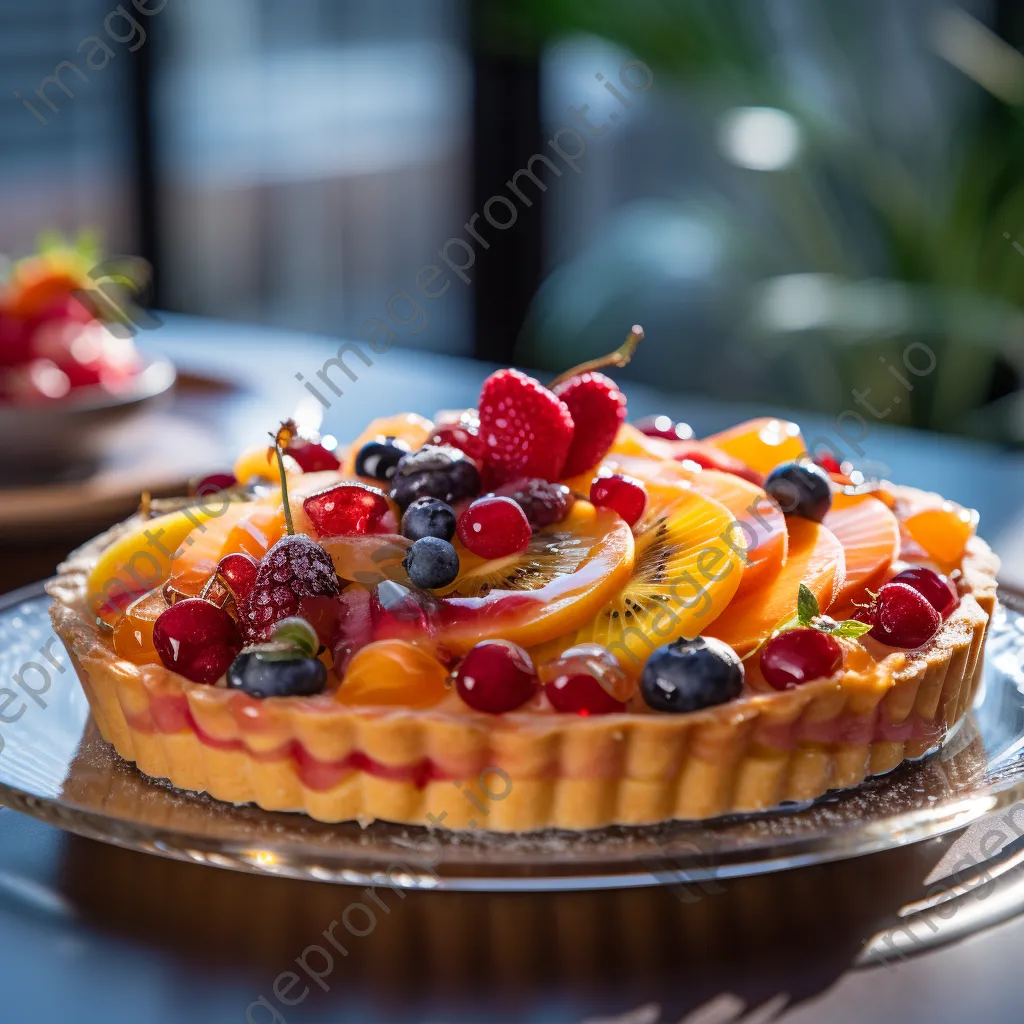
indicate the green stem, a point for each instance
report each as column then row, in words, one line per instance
column 288, row 524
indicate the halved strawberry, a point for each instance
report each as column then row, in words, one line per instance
column 524, row 428
column 598, row 409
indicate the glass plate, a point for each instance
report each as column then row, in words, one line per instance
column 55, row 766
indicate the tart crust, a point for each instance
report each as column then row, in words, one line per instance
column 530, row 771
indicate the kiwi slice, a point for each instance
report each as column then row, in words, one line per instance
column 684, row 574
column 550, row 553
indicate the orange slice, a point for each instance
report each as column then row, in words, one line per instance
column 684, row 575
column 870, row 535
column 815, row 558
column 762, row 443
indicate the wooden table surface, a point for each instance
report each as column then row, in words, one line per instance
column 89, row 932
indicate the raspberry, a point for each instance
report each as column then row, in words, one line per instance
column 525, row 429
column 598, row 409
column 294, row 568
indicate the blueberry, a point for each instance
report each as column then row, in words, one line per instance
column 431, row 563
column 801, row 489
column 378, row 459
column 434, row 471
column 687, row 675
column 428, row 517
column 276, row 670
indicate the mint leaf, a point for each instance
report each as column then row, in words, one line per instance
column 851, row 629
column 806, row 606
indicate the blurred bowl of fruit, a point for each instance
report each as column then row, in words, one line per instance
column 70, row 372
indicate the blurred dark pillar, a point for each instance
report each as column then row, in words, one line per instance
column 506, row 132
column 141, row 99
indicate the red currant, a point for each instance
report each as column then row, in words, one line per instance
column 621, row 493
column 496, row 676
column 664, row 426
column 586, row 680
column 903, row 617
column 347, row 509
column 494, row 527
column 238, row 570
column 311, row 456
column 936, row 589
column 197, row 639
column 798, row 655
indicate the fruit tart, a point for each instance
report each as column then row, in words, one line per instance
column 587, row 621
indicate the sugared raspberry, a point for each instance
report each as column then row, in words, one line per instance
column 294, row 568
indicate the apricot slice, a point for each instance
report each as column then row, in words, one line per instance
column 870, row 535
column 815, row 558
column 761, row 443
column 684, row 575
column 393, row 672
column 944, row 531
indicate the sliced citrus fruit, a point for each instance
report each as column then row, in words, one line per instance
column 870, row 536
column 815, row 558
column 761, row 443
column 393, row 672
column 684, row 575
column 758, row 527
column 561, row 581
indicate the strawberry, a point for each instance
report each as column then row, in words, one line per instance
column 524, row 428
column 598, row 408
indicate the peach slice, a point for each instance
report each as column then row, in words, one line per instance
column 393, row 672
column 815, row 559
column 684, row 576
column 870, row 535
column 761, row 443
